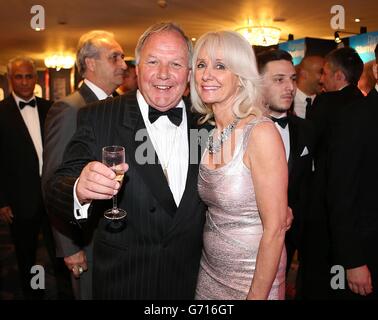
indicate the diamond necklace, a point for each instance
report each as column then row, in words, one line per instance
column 215, row 145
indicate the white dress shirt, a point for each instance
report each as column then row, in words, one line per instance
column 171, row 145
column 376, row 87
column 300, row 103
column 285, row 135
column 31, row 119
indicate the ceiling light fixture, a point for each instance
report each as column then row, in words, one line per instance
column 337, row 33
column 60, row 61
column 162, row 3
column 261, row 35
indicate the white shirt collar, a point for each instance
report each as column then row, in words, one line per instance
column 18, row 99
column 302, row 96
column 282, row 115
column 100, row 94
column 376, row 87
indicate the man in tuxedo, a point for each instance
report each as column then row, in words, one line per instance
column 155, row 252
column 100, row 62
column 353, row 185
column 279, row 79
column 342, row 70
column 22, row 117
column 309, row 73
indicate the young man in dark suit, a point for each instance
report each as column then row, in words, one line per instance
column 156, row 254
column 279, row 79
column 353, row 185
column 100, row 62
column 22, row 118
column 342, row 70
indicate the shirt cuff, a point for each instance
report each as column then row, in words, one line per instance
column 80, row 211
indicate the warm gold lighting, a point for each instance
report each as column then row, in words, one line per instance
column 261, row 35
column 60, row 61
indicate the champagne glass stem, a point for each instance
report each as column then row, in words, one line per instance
column 115, row 209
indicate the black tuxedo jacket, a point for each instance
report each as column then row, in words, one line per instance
column 353, row 186
column 157, row 255
column 300, row 173
column 59, row 128
column 20, row 183
column 325, row 115
column 317, row 254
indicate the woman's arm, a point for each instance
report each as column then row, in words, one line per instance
column 266, row 159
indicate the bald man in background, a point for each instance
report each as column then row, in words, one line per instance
column 309, row 73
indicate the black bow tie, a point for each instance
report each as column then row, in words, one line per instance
column 174, row 115
column 31, row 103
column 282, row 122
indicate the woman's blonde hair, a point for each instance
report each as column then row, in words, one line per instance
column 240, row 59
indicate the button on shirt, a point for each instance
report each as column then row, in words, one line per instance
column 300, row 103
column 31, row 118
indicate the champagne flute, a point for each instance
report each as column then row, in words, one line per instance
column 114, row 158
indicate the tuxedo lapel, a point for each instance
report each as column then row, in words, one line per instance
column 294, row 144
column 19, row 122
column 87, row 94
column 192, row 175
column 191, row 191
column 152, row 174
column 42, row 113
column 19, row 126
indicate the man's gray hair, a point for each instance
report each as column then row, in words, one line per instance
column 89, row 47
column 12, row 61
column 160, row 27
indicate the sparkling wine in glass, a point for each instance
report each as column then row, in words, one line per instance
column 114, row 158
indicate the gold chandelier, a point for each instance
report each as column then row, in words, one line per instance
column 260, row 35
column 60, row 61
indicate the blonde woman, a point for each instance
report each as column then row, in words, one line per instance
column 242, row 178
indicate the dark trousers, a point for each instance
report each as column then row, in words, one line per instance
column 25, row 238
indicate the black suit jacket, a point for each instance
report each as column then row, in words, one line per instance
column 20, row 183
column 157, row 255
column 317, row 258
column 300, row 174
column 353, row 186
column 59, row 128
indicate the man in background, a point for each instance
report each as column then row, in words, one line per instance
column 100, row 62
column 341, row 72
column 279, row 79
column 353, row 185
column 309, row 73
column 22, row 119
column 130, row 79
